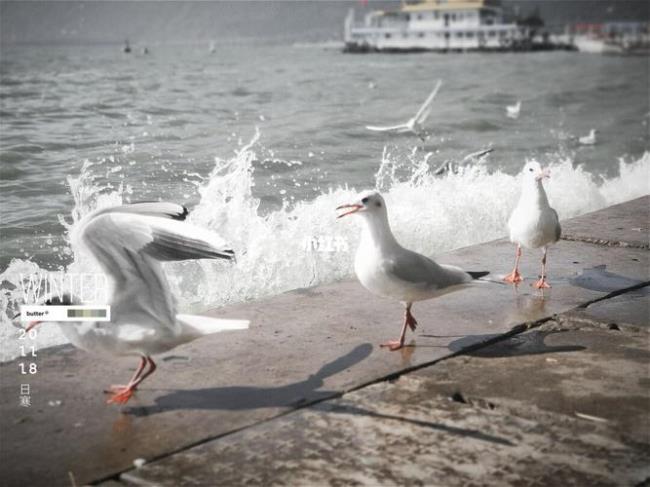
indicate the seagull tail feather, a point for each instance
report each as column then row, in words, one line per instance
column 205, row 325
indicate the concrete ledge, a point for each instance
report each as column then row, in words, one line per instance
column 304, row 347
column 624, row 225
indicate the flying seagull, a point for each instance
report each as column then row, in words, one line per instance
column 386, row 268
column 414, row 125
column 130, row 242
column 513, row 110
column 533, row 223
column 589, row 139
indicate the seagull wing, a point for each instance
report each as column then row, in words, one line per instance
column 476, row 155
column 558, row 228
column 130, row 246
column 404, row 127
column 425, row 109
column 422, row 272
column 162, row 209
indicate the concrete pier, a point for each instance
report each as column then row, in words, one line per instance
column 499, row 385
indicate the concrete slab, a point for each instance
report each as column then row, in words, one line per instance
column 627, row 224
column 400, row 434
column 303, row 346
column 627, row 311
column 568, row 400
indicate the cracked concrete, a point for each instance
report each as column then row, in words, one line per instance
column 565, row 402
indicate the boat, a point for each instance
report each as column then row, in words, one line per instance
column 434, row 25
column 627, row 38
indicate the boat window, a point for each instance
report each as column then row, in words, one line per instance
column 491, row 33
column 469, row 34
column 459, row 34
column 420, row 34
column 387, row 36
column 419, row 16
column 453, row 16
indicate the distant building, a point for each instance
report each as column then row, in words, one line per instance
column 438, row 25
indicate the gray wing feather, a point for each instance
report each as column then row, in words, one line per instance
column 140, row 285
column 129, row 248
column 423, row 272
column 558, row 228
column 152, row 208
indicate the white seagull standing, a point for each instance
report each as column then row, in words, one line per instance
column 414, row 125
column 513, row 110
column 589, row 139
column 386, row 268
column 129, row 242
column 533, row 223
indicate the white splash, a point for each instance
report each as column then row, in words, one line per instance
column 274, row 251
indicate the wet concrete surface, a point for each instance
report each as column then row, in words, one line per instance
column 303, row 346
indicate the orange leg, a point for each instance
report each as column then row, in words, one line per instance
column 514, row 277
column 409, row 321
column 122, row 395
column 138, row 372
column 542, row 284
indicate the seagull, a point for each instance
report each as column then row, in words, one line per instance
column 414, row 125
column 513, row 110
column 477, row 157
column 387, row 269
column 588, row 139
column 130, row 242
column 533, row 223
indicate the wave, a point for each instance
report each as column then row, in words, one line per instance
column 302, row 244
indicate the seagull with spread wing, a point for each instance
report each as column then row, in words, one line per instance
column 414, row 125
column 130, row 242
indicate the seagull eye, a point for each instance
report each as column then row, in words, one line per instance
column 364, row 200
column 531, row 169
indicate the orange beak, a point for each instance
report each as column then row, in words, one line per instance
column 546, row 173
column 31, row 325
column 354, row 209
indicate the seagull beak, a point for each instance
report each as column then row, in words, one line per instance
column 354, row 209
column 31, row 325
column 544, row 173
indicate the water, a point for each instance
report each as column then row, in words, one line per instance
column 263, row 142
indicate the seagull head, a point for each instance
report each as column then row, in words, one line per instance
column 533, row 172
column 64, row 299
column 368, row 204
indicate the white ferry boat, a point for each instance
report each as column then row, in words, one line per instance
column 434, row 25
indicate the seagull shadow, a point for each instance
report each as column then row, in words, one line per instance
column 237, row 398
column 357, row 411
column 530, row 343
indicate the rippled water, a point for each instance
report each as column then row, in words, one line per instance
column 263, row 142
